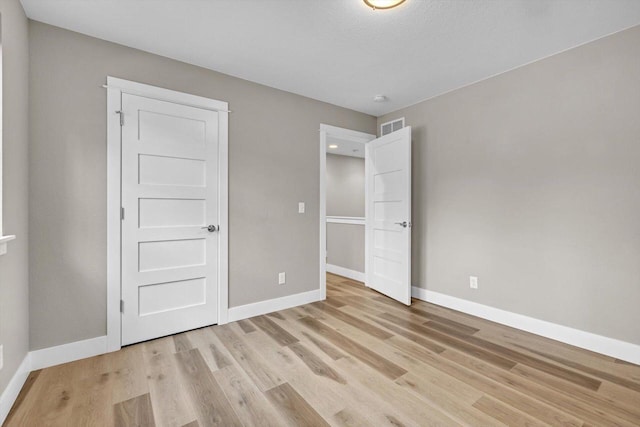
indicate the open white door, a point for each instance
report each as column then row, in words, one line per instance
column 388, row 224
column 170, row 200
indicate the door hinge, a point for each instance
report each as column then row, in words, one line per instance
column 122, row 214
column 121, row 117
column 122, row 306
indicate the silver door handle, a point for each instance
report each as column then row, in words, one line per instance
column 210, row 228
column 403, row 224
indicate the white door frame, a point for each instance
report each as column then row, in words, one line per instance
column 115, row 88
column 345, row 134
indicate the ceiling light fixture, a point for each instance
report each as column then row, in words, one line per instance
column 333, row 146
column 383, row 4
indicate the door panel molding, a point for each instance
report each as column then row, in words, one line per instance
column 115, row 89
column 388, row 210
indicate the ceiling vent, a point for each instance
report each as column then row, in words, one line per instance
column 392, row 126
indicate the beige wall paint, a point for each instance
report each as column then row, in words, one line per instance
column 273, row 164
column 345, row 246
column 345, row 197
column 531, row 181
column 345, row 185
column 14, row 273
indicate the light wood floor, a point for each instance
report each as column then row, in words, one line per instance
column 356, row 359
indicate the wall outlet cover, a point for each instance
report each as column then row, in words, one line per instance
column 473, row 282
column 301, row 207
column 282, row 278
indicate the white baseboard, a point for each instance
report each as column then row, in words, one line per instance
column 276, row 304
column 68, row 352
column 10, row 394
column 341, row 271
column 600, row 344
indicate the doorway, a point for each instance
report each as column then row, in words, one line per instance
column 342, row 203
column 373, row 231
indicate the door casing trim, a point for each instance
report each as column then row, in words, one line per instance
column 115, row 88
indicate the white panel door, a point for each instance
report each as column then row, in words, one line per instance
column 388, row 224
column 170, row 198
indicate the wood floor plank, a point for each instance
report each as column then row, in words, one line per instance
column 460, row 327
column 632, row 385
column 134, row 412
column 591, row 398
column 418, row 339
column 449, row 403
column 450, row 341
column 549, row 396
column 418, row 410
column 316, row 364
column 171, row 407
column 212, row 349
column 619, row 394
column 88, row 408
column 248, row 358
column 327, row 348
column 353, row 321
column 293, row 407
column 246, row 326
column 505, row 413
column 281, row 336
column 335, row 302
column 385, row 367
column 182, row 342
column 251, row 406
column 128, row 370
column 208, row 400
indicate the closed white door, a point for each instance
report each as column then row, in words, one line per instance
column 170, row 190
column 388, row 223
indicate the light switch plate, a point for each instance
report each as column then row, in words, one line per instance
column 301, row 207
column 282, row 278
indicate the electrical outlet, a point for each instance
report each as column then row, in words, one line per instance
column 473, row 282
column 1, row 356
column 300, row 207
column 282, row 278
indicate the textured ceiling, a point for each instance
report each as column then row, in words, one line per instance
column 340, row 51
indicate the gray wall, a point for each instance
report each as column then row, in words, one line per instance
column 345, row 246
column 345, row 185
column 345, row 197
column 531, row 181
column 273, row 164
column 14, row 273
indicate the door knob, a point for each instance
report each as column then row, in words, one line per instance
column 210, row 228
column 403, row 224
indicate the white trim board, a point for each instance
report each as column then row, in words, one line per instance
column 345, row 272
column 10, row 394
column 70, row 352
column 600, row 344
column 355, row 220
column 276, row 304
